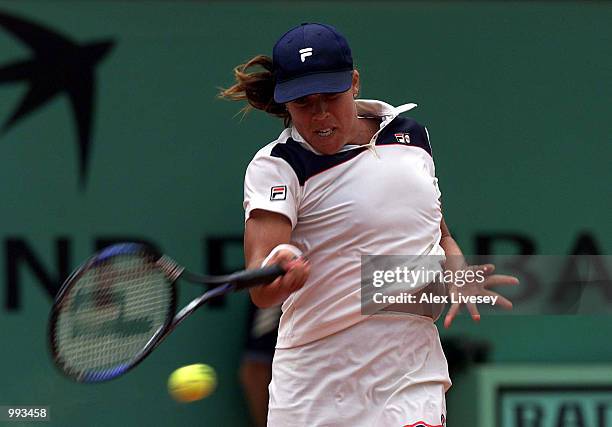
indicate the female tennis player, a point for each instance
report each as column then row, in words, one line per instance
column 346, row 178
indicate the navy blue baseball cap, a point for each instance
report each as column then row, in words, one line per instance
column 311, row 58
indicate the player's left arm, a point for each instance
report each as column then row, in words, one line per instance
column 449, row 245
column 455, row 261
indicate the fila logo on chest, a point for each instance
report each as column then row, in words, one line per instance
column 402, row 138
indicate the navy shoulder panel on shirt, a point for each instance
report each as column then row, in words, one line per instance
column 404, row 131
column 305, row 163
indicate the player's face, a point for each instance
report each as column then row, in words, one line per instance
column 327, row 121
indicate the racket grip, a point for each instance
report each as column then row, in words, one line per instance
column 255, row 277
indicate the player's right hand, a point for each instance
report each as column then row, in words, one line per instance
column 297, row 272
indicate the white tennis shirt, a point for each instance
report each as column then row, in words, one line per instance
column 375, row 199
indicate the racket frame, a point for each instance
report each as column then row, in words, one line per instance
column 172, row 271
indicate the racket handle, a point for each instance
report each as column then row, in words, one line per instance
column 261, row 276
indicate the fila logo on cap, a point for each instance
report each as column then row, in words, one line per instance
column 307, row 51
column 278, row 192
column 402, row 138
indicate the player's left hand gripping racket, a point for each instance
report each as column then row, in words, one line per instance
column 117, row 307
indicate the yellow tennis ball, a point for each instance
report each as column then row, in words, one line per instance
column 192, row 382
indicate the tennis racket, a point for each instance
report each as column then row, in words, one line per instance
column 119, row 305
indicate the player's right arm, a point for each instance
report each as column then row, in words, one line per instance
column 264, row 230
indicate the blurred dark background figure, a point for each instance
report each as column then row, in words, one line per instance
column 256, row 366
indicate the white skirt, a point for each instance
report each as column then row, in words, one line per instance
column 388, row 370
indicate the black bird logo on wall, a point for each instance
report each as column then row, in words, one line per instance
column 58, row 66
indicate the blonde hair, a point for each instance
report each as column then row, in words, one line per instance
column 256, row 87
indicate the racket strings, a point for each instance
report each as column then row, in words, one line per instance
column 111, row 313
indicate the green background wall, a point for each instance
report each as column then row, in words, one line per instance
column 516, row 96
